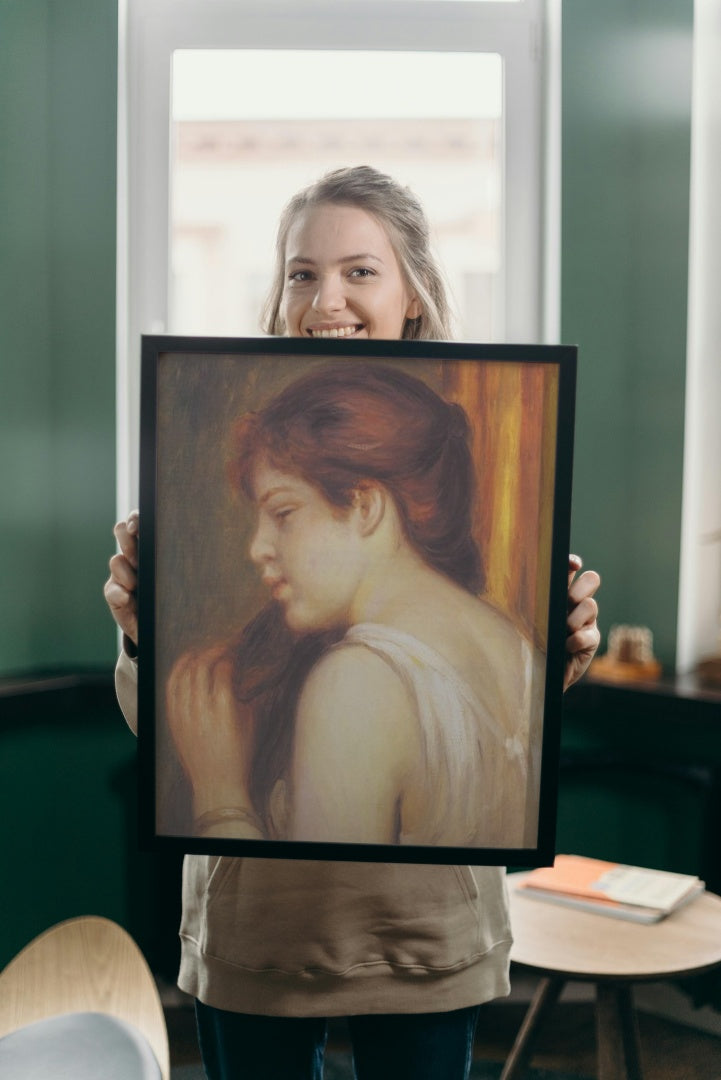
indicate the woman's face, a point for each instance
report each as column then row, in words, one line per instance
column 307, row 551
column 342, row 277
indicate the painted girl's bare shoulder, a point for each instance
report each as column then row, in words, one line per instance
column 502, row 658
column 497, row 629
column 354, row 709
column 352, row 673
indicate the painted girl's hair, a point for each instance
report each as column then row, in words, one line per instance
column 352, row 423
column 401, row 214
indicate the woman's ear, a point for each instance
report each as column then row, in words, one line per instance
column 370, row 504
column 415, row 309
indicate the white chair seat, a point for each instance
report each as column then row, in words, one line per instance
column 78, row 1046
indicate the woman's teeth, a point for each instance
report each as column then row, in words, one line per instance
column 337, row 331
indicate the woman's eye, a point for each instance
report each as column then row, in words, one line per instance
column 300, row 276
column 362, row 272
column 283, row 513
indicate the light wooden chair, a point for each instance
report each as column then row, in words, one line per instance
column 90, row 972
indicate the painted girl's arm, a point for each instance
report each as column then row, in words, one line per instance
column 213, row 735
column 355, row 738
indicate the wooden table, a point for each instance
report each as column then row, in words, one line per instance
column 563, row 944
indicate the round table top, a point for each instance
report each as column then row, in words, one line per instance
column 559, row 940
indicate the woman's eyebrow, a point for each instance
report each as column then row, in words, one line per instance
column 280, row 490
column 361, row 257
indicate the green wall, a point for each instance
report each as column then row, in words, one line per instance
column 626, row 145
column 58, row 72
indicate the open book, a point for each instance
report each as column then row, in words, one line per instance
column 608, row 888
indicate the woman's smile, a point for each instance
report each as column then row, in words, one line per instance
column 335, row 331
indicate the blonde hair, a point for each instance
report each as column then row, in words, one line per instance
column 402, row 216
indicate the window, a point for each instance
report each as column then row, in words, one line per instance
column 227, row 107
column 236, row 161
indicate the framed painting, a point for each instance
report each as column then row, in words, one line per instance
column 352, row 597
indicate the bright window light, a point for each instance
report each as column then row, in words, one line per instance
column 222, row 84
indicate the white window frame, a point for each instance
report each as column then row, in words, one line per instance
column 526, row 34
column 699, row 597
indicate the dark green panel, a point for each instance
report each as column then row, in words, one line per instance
column 82, row 273
column 26, row 483
column 58, row 75
column 641, row 779
column 68, row 786
column 626, row 144
column 626, row 817
column 63, row 786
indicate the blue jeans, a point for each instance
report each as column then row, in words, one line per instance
column 416, row 1046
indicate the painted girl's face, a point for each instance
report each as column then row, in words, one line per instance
column 307, row 551
column 342, row 277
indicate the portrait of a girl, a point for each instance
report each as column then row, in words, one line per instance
column 401, row 706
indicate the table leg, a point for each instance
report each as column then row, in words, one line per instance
column 617, row 1033
column 545, row 997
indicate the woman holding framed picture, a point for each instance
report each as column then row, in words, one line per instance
column 272, row 948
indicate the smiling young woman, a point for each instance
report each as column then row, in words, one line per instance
column 270, row 948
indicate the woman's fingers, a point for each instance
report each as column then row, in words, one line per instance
column 575, row 562
column 120, row 595
column 123, row 573
column 581, row 628
column 120, row 600
column 126, row 533
column 584, row 612
column 585, row 640
column 121, row 587
column 582, row 633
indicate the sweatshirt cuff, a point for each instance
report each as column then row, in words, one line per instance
column 130, row 648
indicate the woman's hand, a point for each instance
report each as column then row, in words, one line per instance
column 214, row 737
column 121, row 587
column 583, row 636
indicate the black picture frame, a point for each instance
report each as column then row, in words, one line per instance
column 197, row 586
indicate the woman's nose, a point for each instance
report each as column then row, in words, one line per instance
column 329, row 296
column 261, row 548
